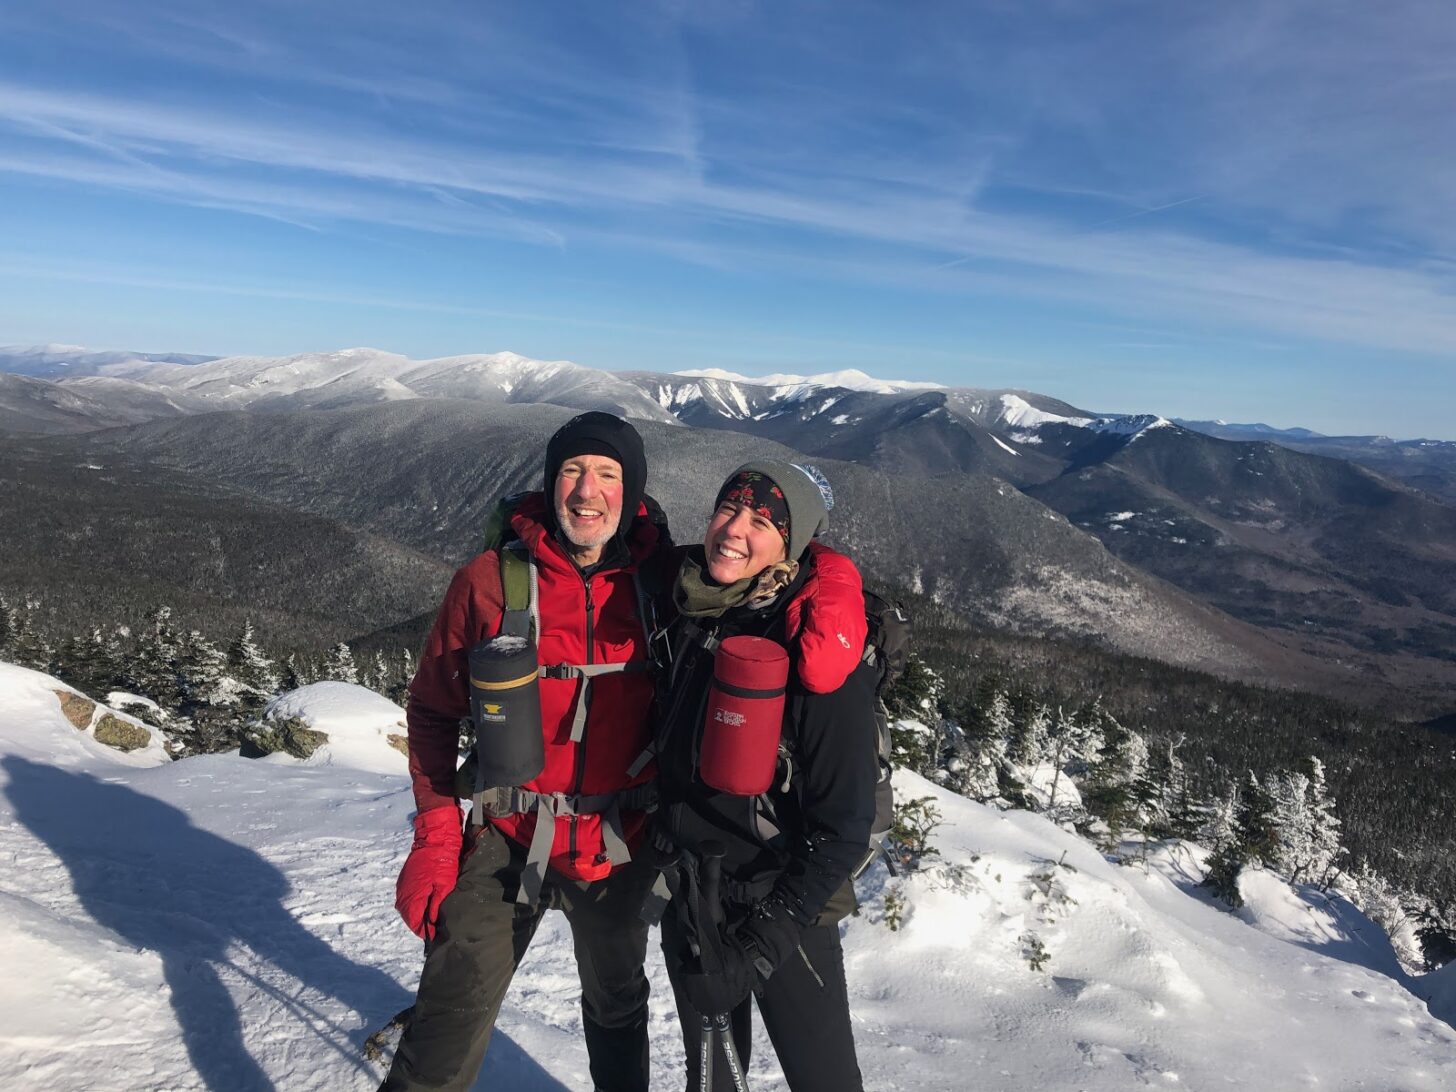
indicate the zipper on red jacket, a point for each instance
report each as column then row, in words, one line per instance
column 586, row 582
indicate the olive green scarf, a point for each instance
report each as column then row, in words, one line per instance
column 698, row 595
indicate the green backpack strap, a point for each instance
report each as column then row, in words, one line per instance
column 518, row 584
column 517, row 570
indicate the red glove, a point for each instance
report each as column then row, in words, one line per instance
column 430, row 870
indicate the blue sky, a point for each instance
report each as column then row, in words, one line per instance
column 1237, row 210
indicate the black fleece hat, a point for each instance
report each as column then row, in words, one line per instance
column 597, row 433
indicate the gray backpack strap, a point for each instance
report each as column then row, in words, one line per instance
column 586, row 673
column 578, row 713
column 592, row 671
column 640, row 762
column 547, row 808
column 655, row 904
column 538, row 856
column 614, row 838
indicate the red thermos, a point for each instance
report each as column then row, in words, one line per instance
column 745, row 716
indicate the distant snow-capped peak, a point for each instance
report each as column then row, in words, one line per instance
column 1017, row 413
column 850, row 379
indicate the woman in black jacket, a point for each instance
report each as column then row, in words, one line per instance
column 762, row 919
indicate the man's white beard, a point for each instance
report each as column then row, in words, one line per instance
column 582, row 539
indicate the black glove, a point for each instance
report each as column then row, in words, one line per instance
column 768, row 936
column 750, row 953
column 720, row 992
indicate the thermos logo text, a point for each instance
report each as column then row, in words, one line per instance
column 727, row 716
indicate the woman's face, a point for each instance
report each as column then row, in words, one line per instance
column 739, row 543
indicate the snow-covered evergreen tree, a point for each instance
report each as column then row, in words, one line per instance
column 73, row 664
column 105, row 655
column 398, row 689
column 378, row 672
column 1217, row 830
column 916, row 694
column 1307, row 829
column 916, row 745
column 1075, row 742
column 1325, row 846
column 1180, row 812
column 1254, row 823
column 1029, row 743
column 1394, row 910
column 290, row 678
column 1253, row 840
column 90, row 663
column 341, row 666
column 1436, row 930
column 975, row 744
column 1117, row 785
column 153, row 668
column 1293, row 825
column 989, row 758
column 1085, row 735
column 9, row 621
column 115, row 656
column 203, row 677
column 1225, row 862
column 913, row 702
column 29, row 646
column 255, row 672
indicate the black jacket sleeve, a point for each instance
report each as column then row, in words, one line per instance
column 835, row 770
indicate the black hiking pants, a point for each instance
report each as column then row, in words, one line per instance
column 480, row 939
column 807, row 1023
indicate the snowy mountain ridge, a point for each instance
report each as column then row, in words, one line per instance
column 235, row 929
column 358, row 376
column 849, row 379
column 364, row 375
column 1016, row 413
column 55, row 360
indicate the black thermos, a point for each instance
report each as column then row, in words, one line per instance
column 505, row 701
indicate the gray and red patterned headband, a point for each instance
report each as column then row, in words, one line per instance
column 758, row 492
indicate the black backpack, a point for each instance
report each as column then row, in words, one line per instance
column 887, row 647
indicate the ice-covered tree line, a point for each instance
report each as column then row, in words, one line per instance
column 204, row 696
column 1004, row 746
column 1082, row 767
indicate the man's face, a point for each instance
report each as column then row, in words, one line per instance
column 588, row 502
column 739, row 542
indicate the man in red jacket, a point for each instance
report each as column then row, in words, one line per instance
column 563, row 839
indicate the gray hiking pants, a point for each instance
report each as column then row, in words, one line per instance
column 480, row 939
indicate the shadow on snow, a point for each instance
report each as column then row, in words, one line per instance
column 143, row 870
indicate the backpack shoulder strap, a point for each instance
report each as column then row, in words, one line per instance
column 521, row 617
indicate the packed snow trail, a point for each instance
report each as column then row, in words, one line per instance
column 226, row 924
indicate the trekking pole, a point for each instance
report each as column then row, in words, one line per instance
column 720, row 1027
column 717, row 1027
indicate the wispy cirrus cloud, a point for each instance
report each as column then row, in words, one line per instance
column 1287, row 168
column 425, row 184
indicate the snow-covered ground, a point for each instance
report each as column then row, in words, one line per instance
column 228, row 924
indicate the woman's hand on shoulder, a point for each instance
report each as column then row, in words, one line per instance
column 827, row 619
